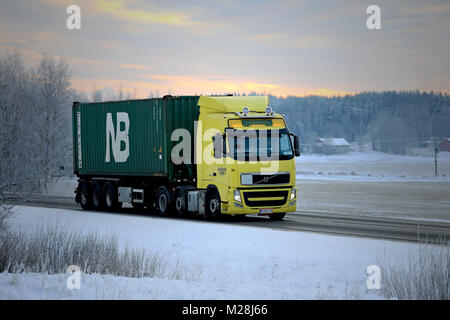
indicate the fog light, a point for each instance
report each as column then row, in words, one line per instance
column 237, row 196
column 293, row 193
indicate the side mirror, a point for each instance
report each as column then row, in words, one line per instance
column 219, row 146
column 296, row 146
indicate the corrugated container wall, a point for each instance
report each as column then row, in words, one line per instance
column 131, row 138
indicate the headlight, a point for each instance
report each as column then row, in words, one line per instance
column 293, row 193
column 237, row 196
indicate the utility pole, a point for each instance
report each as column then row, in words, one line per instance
column 435, row 157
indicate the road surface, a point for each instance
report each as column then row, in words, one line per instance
column 328, row 223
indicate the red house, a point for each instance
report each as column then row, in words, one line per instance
column 331, row 146
column 445, row 145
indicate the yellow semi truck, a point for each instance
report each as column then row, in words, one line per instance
column 209, row 155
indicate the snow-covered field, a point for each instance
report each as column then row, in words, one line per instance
column 214, row 260
column 404, row 199
column 375, row 183
column 372, row 166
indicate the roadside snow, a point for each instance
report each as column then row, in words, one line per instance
column 226, row 261
column 62, row 187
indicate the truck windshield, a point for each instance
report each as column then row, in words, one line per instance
column 257, row 145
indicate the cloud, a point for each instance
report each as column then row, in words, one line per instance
column 288, row 47
column 133, row 66
column 311, row 41
column 200, row 84
column 119, row 10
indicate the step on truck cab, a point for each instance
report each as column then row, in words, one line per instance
column 218, row 155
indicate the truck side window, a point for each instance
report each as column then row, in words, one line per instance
column 219, row 144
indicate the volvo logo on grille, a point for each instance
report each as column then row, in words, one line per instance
column 277, row 178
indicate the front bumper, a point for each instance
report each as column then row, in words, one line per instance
column 252, row 200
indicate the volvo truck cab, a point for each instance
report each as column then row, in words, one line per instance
column 249, row 154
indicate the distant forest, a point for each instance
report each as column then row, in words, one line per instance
column 393, row 122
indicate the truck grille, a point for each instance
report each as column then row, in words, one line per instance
column 258, row 198
column 278, row 178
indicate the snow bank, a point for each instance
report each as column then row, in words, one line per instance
column 229, row 261
column 62, row 187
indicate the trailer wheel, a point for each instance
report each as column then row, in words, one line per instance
column 180, row 204
column 212, row 210
column 97, row 199
column 162, row 201
column 85, row 195
column 277, row 216
column 110, row 198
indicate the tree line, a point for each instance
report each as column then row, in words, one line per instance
column 391, row 121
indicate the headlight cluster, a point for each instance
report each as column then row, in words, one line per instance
column 293, row 194
column 237, row 196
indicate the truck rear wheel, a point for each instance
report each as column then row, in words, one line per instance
column 85, row 195
column 97, row 199
column 110, row 197
column 162, row 201
column 277, row 216
column 179, row 199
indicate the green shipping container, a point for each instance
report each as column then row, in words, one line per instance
column 132, row 138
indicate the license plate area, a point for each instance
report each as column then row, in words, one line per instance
column 265, row 211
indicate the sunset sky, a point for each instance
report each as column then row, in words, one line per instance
column 217, row 46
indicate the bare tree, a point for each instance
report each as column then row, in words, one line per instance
column 96, row 95
column 52, row 80
column 17, row 142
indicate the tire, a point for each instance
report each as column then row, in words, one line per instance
column 84, row 193
column 97, row 197
column 163, row 201
column 277, row 216
column 180, row 202
column 110, row 197
column 212, row 204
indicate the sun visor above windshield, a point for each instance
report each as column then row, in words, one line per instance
column 256, row 123
column 233, row 104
